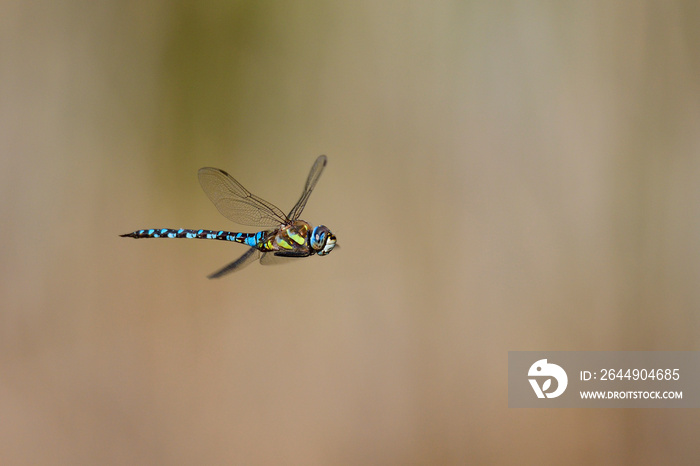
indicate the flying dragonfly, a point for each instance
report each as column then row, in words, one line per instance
column 287, row 236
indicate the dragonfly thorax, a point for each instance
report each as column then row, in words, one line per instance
column 322, row 240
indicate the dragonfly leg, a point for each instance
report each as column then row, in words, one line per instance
column 292, row 254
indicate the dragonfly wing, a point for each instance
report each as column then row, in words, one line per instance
column 237, row 203
column 250, row 256
column 311, row 181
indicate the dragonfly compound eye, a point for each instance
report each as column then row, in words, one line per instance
column 322, row 240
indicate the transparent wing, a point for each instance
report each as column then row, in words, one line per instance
column 237, row 203
column 311, row 181
column 248, row 257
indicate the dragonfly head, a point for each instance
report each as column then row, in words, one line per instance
column 322, row 240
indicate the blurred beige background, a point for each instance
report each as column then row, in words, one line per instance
column 502, row 176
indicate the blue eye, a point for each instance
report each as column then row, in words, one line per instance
column 322, row 240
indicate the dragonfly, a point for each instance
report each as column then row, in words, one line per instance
column 286, row 236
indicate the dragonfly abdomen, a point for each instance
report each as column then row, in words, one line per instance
column 250, row 239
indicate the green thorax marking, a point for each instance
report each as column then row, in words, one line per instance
column 289, row 237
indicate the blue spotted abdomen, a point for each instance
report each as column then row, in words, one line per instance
column 250, row 239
